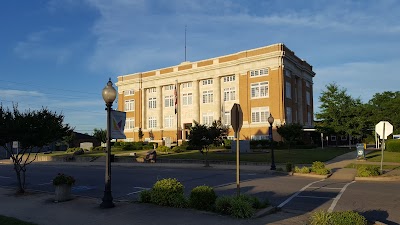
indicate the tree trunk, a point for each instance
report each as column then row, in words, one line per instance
column 20, row 189
column 207, row 163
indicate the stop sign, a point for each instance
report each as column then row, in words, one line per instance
column 236, row 117
column 384, row 129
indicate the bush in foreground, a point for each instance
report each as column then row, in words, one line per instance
column 202, row 198
column 367, row 171
column 337, row 218
column 243, row 206
column 168, row 192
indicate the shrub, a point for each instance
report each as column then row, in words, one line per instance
column 79, row 152
column 323, row 171
column 227, row 143
column 165, row 191
column 116, row 144
column 98, row 149
column 367, row 171
column 202, row 198
column 145, row 196
column 289, row 167
column 393, row 145
column 317, row 165
column 223, row 205
column 337, row 218
column 61, row 179
column 241, row 208
column 303, row 169
column 254, row 201
column 163, row 148
column 178, row 149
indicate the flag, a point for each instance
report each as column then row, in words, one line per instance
column 176, row 97
column 117, row 124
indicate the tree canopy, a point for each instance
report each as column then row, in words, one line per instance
column 291, row 132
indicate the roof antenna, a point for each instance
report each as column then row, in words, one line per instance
column 185, row 42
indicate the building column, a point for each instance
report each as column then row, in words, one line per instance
column 217, row 91
column 144, row 109
column 196, row 101
column 159, row 107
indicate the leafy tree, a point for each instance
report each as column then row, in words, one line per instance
column 202, row 136
column 69, row 139
column 291, row 132
column 34, row 130
column 100, row 135
column 339, row 112
column 385, row 107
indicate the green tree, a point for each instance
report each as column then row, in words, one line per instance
column 100, row 135
column 202, row 136
column 339, row 112
column 385, row 107
column 69, row 139
column 291, row 132
column 33, row 130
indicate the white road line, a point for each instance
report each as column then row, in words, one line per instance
column 297, row 193
column 338, row 197
column 135, row 192
column 327, row 188
column 309, row 196
column 44, row 184
column 5, row 177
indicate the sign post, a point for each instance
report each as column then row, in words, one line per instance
column 237, row 122
column 383, row 129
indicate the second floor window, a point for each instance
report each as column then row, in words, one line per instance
column 229, row 94
column 207, row 82
column 259, row 114
column 129, row 124
column 259, row 90
column 152, row 122
column 208, row 96
column 169, row 101
column 169, row 121
column 152, row 103
column 129, row 105
column 187, row 98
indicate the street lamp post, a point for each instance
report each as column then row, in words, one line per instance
column 271, row 121
column 109, row 94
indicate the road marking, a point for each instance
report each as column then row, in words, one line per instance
column 44, row 184
column 135, row 192
column 327, row 188
column 338, row 197
column 309, row 196
column 5, row 177
column 297, row 193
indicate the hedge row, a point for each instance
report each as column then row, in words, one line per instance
column 393, row 145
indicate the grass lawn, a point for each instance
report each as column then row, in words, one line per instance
column 12, row 221
column 385, row 167
column 296, row 156
column 375, row 156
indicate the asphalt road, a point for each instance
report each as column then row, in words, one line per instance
column 375, row 200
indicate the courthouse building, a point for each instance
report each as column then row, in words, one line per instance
column 163, row 103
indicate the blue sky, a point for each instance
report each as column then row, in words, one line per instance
column 60, row 53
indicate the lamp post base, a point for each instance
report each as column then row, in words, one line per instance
column 273, row 167
column 107, row 201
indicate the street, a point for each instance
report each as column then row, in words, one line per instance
column 375, row 200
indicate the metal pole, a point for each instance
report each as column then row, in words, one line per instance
column 107, row 198
column 237, row 165
column 273, row 167
column 383, row 146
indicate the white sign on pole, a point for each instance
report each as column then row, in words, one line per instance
column 15, row 144
column 384, row 129
column 118, row 124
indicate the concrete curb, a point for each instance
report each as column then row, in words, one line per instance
column 312, row 175
column 264, row 212
column 384, row 179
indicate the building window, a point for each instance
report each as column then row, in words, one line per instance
column 288, row 115
column 333, row 138
column 207, row 82
column 259, row 72
column 288, row 90
column 208, row 96
column 152, row 103
column 307, row 84
column 152, row 122
column 227, row 118
column 229, row 78
column 259, row 90
column 129, row 92
column 343, row 138
column 208, row 118
column 308, row 98
column 169, row 87
column 169, row 101
column 129, row 105
column 288, row 73
column 259, row 114
column 129, row 123
column 229, row 94
column 169, row 121
column 187, row 98
column 152, row 90
column 187, row 85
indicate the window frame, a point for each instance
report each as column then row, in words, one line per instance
column 259, row 85
column 131, row 103
column 152, row 102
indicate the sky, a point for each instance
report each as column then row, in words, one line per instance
column 60, row 54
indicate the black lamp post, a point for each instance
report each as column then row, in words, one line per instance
column 271, row 121
column 109, row 94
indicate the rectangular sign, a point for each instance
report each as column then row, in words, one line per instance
column 117, row 124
